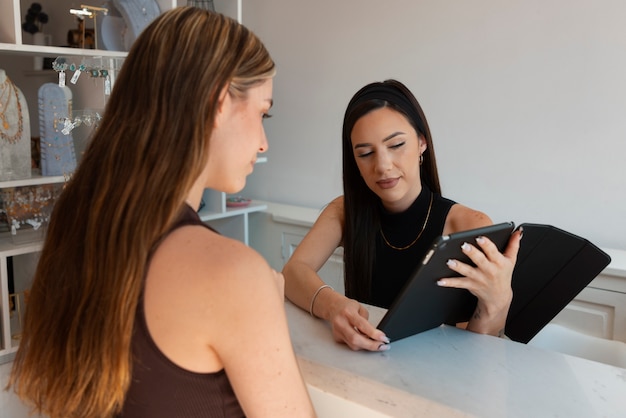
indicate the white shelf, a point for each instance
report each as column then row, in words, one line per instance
column 53, row 51
column 8, row 248
column 32, row 181
column 207, row 215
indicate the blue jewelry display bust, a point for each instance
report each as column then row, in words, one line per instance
column 58, row 157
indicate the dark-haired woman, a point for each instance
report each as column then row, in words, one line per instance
column 391, row 211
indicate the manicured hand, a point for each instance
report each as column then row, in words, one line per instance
column 351, row 327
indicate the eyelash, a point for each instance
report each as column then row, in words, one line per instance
column 266, row 116
column 371, row 152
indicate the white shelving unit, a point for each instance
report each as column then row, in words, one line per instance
column 15, row 47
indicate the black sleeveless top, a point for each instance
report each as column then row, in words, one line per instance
column 160, row 388
column 393, row 267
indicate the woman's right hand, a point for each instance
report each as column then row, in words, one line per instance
column 350, row 325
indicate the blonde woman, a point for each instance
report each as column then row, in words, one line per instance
column 137, row 308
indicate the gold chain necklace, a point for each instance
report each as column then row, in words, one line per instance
column 430, row 205
column 5, row 89
column 12, row 139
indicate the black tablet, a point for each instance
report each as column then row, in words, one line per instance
column 422, row 304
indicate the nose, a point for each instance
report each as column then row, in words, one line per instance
column 383, row 162
column 264, row 144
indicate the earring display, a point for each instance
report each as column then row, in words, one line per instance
column 95, row 68
column 57, row 148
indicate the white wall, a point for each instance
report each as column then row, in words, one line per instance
column 526, row 100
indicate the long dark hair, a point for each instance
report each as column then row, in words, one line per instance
column 74, row 359
column 361, row 205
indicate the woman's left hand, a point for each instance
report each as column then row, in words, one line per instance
column 489, row 281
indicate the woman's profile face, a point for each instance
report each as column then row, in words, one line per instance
column 238, row 136
column 387, row 149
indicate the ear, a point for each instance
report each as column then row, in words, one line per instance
column 421, row 144
column 223, row 102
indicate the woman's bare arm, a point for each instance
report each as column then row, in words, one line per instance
column 215, row 303
column 347, row 317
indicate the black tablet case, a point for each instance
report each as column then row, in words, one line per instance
column 552, row 267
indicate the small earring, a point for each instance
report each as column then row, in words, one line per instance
column 421, row 159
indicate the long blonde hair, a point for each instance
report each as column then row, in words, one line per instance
column 74, row 359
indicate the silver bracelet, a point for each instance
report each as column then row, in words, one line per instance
column 317, row 292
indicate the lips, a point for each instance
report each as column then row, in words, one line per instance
column 387, row 183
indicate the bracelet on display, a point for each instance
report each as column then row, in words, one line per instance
column 317, row 292
column 87, row 119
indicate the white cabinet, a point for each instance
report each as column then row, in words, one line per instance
column 16, row 57
column 331, row 272
column 276, row 233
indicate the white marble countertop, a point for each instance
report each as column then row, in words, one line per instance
column 451, row 372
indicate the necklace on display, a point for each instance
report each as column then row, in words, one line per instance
column 10, row 90
column 430, row 205
column 5, row 89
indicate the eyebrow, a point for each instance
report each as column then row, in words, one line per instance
column 387, row 138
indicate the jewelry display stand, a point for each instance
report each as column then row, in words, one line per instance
column 203, row 4
column 15, row 162
column 137, row 14
column 57, row 148
column 113, row 30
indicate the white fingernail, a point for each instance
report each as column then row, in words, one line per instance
column 466, row 247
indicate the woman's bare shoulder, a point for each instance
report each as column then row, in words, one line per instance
column 335, row 205
column 462, row 218
column 199, row 252
column 334, row 209
column 200, row 287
